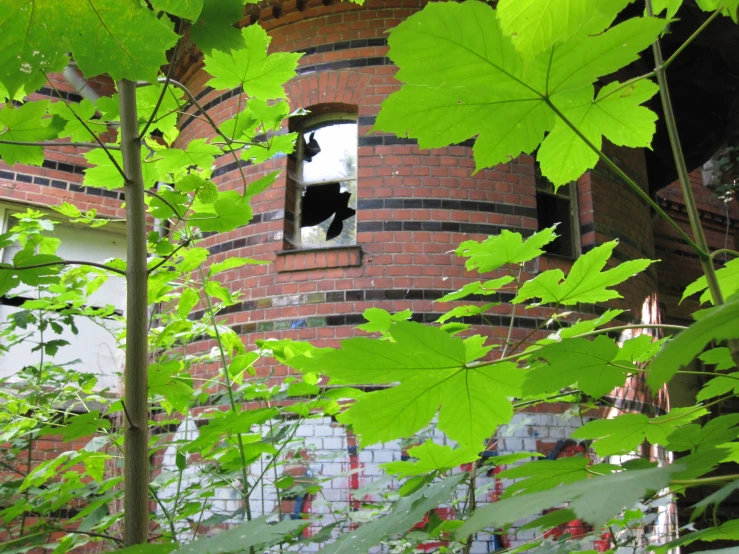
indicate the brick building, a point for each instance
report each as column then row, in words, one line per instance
column 405, row 213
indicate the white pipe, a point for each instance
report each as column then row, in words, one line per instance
column 81, row 86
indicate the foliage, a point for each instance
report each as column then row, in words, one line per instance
column 525, row 77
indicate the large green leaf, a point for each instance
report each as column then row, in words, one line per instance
column 431, row 457
column 594, row 500
column 507, row 101
column 187, row 9
column 592, row 365
column 547, row 474
column 30, row 44
column 26, row 123
column 719, row 323
column 505, row 248
column 586, row 283
column 430, row 367
column 229, row 211
column 536, row 25
column 624, row 433
column 406, row 512
column 122, row 39
column 214, row 29
column 715, row 432
column 259, row 74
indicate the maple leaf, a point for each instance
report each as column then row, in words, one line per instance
column 486, row 288
column 430, row 367
column 506, row 248
column 624, row 433
column 259, row 74
column 536, row 25
column 214, row 28
column 592, row 365
column 187, row 9
column 547, row 474
column 585, row 283
column 507, row 101
column 728, row 282
column 431, row 457
column 26, row 123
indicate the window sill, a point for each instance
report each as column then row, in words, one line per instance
column 318, row 258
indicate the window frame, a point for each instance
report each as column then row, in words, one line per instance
column 303, row 128
column 570, row 193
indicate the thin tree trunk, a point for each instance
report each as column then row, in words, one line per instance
column 136, row 461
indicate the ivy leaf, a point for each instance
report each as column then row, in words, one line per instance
column 589, row 364
column 624, row 433
column 586, row 283
column 257, row 532
column 78, row 425
column 595, row 500
column 122, row 39
column 430, row 366
column 406, row 512
column 505, row 100
column 728, row 282
column 431, row 457
column 260, row 75
column 505, row 248
column 717, row 323
column 547, row 474
column 187, row 9
column 214, row 28
column 26, row 123
column 486, row 288
column 536, row 25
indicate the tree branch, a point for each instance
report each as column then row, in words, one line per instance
column 68, row 262
column 166, row 258
column 51, row 144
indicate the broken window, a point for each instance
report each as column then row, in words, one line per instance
column 326, row 179
column 558, row 208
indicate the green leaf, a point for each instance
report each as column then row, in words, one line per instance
column 431, row 457
column 192, row 259
column 616, row 113
column 624, row 433
column 230, row 211
column 672, row 6
column 506, row 248
column 106, row 175
column 586, row 283
column 78, row 425
column 547, row 474
column 536, row 25
column 165, row 380
column 199, row 153
column 728, row 282
column 406, row 512
column 727, row 532
column 214, row 29
column 728, row 7
column 187, row 9
column 26, row 123
column 486, row 288
column 124, row 40
column 639, row 349
column 430, row 366
column 255, row 533
column 720, row 357
column 595, row 500
column 715, row 432
column 507, row 101
column 718, row 386
column 379, row 320
column 260, row 185
column 589, row 364
column 259, row 74
column 39, row 275
column 717, row 323
column 30, row 44
column 714, row 499
column 73, row 128
column 465, row 311
column 217, row 290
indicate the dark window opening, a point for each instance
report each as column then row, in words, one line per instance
column 558, row 208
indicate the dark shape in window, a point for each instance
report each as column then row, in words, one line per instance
column 320, row 202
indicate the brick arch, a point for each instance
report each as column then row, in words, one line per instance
column 327, row 87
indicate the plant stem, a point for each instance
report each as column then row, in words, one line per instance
column 682, row 171
column 724, row 251
column 136, row 435
column 51, row 144
column 698, row 482
column 629, row 327
column 68, row 262
column 625, row 178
